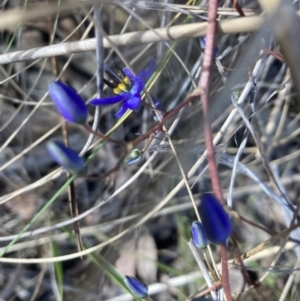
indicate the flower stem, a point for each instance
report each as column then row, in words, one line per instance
column 204, row 87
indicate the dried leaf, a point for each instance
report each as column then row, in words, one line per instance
column 127, row 261
column 23, row 205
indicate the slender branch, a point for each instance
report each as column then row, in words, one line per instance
column 204, row 87
column 212, row 165
column 168, row 115
column 238, row 8
column 203, row 293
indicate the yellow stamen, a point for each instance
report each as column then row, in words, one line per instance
column 122, row 86
column 126, row 80
column 117, row 90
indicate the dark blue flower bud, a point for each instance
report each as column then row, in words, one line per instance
column 133, row 157
column 199, row 235
column 66, row 157
column 215, row 219
column 69, row 104
column 136, row 287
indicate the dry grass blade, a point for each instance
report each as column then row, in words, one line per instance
column 286, row 32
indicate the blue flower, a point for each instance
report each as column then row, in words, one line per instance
column 65, row 157
column 215, row 219
column 136, row 287
column 128, row 87
column 69, row 104
column 199, row 235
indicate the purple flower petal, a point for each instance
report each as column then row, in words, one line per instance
column 131, row 99
column 122, row 111
column 133, row 103
column 107, row 101
column 129, row 74
column 137, row 87
column 159, row 107
column 215, row 219
column 158, row 104
column 69, row 104
column 65, row 157
column 145, row 74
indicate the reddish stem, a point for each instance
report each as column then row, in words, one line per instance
column 208, row 290
column 204, row 87
column 157, row 127
column 225, row 274
column 90, row 130
column 212, row 165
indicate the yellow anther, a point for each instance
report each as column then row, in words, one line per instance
column 122, row 86
column 126, row 80
column 117, row 90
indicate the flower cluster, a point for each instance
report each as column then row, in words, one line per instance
column 71, row 106
column 125, row 84
column 129, row 89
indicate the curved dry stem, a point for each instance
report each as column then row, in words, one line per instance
column 176, row 32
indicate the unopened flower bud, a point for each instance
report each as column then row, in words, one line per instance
column 215, row 219
column 199, row 235
column 69, row 104
column 133, row 157
column 66, row 157
column 136, row 287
